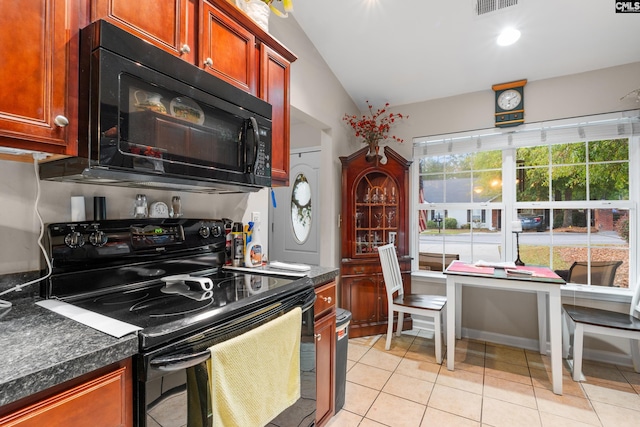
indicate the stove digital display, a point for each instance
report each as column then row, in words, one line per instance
column 156, row 235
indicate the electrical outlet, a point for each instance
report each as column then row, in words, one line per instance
column 255, row 217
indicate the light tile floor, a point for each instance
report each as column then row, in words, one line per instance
column 492, row 385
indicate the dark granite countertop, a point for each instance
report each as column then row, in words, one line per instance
column 40, row 349
column 322, row 275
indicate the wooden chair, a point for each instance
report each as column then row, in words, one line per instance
column 603, row 273
column 434, row 261
column 604, row 322
column 421, row 305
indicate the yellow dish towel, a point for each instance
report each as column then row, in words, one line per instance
column 256, row 376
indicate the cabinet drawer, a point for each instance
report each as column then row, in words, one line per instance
column 359, row 269
column 356, row 269
column 325, row 299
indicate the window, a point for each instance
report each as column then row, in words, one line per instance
column 568, row 183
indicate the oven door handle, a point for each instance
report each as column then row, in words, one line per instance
column 179, row 361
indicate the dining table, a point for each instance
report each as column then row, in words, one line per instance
column 515, row 278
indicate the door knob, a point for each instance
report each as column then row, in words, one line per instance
column 318, row 337
column 208, row 62
column 185, row 48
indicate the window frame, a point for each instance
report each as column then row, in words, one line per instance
column 602, row 127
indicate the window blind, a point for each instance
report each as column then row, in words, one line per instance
column 623, row 124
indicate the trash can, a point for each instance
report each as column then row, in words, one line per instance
column 343, row 317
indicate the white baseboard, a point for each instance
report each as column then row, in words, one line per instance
column 529, row 344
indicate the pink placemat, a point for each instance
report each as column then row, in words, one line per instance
column 538, row 273
column 461, row 267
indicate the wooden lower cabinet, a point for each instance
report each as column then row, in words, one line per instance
column 365, row 296
column 325, row 333
column 101, row 399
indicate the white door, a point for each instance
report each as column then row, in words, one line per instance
column 293, row 232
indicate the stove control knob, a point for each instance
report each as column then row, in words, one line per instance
column 74, row 239
column 216, row 230
column 204, row 232
column 98, row 238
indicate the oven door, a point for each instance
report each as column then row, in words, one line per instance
column 174, row 388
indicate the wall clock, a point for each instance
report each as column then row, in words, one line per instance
column 509, row 103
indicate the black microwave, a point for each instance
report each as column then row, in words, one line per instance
column 148, row 118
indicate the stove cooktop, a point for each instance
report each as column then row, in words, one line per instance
column 169, row 310
column 115, row 268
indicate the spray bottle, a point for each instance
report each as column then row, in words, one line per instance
column 253, row 251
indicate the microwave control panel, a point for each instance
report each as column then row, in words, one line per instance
column 263, row 160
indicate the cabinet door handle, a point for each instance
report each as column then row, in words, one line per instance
column 318, row 337
column 61, row 121
column 208, row 62
column 185, row 48
column 327, row 300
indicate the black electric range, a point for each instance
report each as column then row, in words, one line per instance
column 167, row 277
column 146, row 272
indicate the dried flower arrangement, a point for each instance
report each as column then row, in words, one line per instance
column 376, row 126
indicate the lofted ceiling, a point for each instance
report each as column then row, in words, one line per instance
column 406, row 51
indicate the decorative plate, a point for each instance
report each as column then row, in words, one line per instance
column 187, row 109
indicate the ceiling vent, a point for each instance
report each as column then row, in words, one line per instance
column 484, row 7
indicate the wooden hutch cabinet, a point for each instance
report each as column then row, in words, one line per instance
column 374, row 213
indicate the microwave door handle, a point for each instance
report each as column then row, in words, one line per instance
column 252, row 152
column 179, row 361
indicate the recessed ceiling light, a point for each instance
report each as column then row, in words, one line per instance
column 508, row 37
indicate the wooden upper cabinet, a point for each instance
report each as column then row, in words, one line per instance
column 228, row 49
column 274, row 88
column 39, row 75
column 168, row 24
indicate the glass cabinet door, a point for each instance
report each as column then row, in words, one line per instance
column 375, row 213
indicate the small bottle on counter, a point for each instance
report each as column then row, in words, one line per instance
column 228, row 250
column 176, row 207
column 253, row 251
column 237, row 233
column 140, row 209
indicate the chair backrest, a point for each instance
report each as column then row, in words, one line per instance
column 390, row 270
column 434, row 261
column 635, row 309
column 603, row 273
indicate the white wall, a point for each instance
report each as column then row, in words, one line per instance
column 583, row 94
column 318, row 100
column 19, row 226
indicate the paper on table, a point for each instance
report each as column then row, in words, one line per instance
column 495, row 264
column 105, row 324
